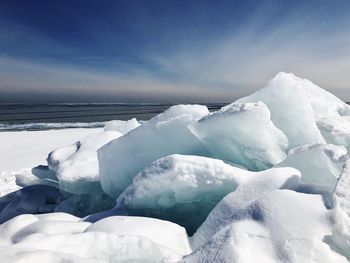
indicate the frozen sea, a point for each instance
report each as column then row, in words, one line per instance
column 17, row 117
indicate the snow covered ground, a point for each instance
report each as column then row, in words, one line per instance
column 27, row 149
column 264, row 179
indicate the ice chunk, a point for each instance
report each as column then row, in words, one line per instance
column 320, row 166
column 243, row 134
column 293, row 105
column 184, row 189
column 335, row 129
column 76, row 166
column 280, row 225
column 167, row 133
column 121, row 126
column 83, row 205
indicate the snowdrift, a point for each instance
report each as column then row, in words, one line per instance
column 264, row 179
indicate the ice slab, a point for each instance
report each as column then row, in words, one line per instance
column 298, row 107
column 165, row 134
column 121, row 126
column 243, row 134
column 320, row 166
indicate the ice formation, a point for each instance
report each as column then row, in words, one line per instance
column 243, row 134
column 321, row 171
column 76, row 166
column 303, row 111
column 264, row 179
column 121, row 126
column 184, row 189
column 167, row 133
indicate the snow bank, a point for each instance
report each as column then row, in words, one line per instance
column 280, row 225
column 165, row 134
column 184, row 189
column 62, row 237
column 242, row 134
column 161, row 232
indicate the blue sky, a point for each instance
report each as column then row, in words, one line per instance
column 168, row 51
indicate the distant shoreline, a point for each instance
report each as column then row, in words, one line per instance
column 20, row 117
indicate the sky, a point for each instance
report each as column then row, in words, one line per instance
column 168, row 51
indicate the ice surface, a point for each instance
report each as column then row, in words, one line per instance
column 165, row 134
column 298, row 106
column 320, row 166
column 184, row 189
column 243, row 134
column 340, row 237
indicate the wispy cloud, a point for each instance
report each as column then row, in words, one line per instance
column 309, row 39
column 243, row 61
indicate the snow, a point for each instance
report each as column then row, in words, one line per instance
column 264, row 179
column 60, row 236
column 289, row 233
column 160, row 232
column 185, row 188
column 340, row 237
column 121, row 126
column 76, row 166
column 26, row 149
column 243, row 134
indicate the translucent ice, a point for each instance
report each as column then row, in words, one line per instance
column 167, row 133
column 243, row 134
column 298, row 108
column 320, row 166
